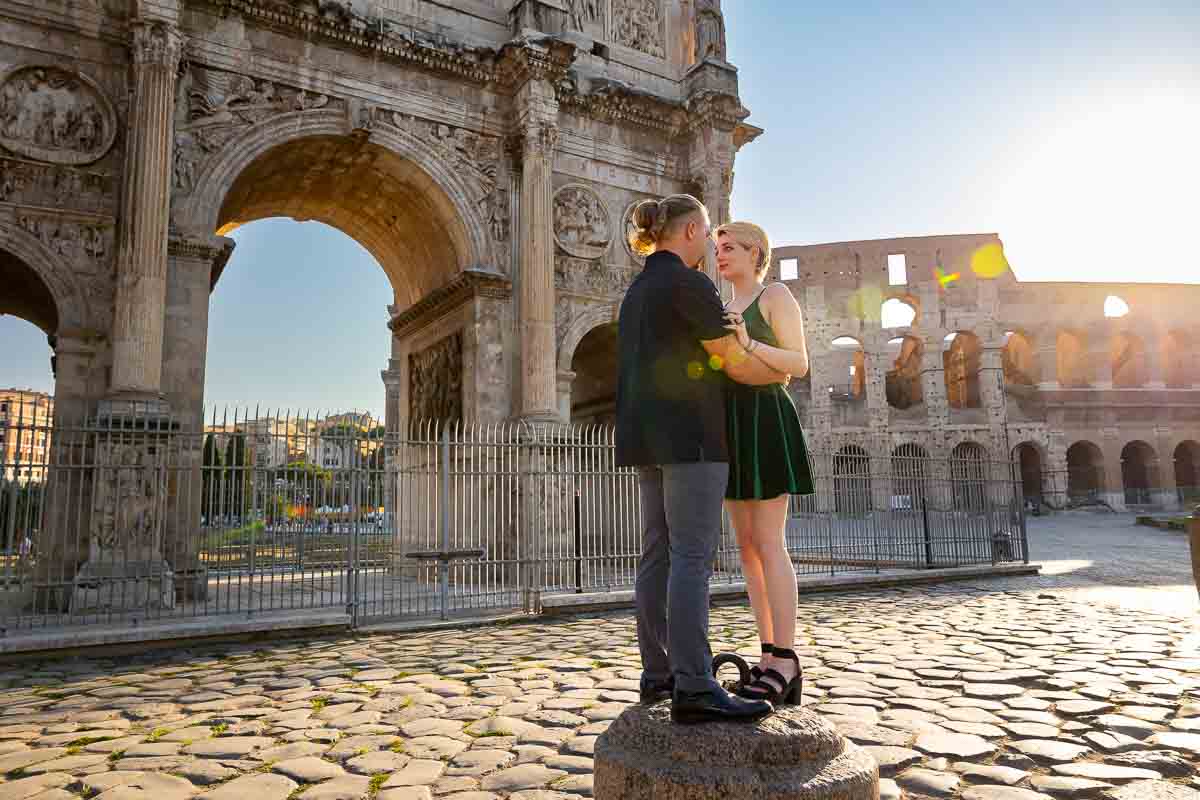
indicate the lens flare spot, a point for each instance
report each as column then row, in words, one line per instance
column 716, row 363
column 989, row 261
column 944, row 279
column 865, row 304
column 695, row 370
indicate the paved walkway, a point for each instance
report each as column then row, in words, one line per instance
column 1082, row 682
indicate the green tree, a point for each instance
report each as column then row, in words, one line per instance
column 210, row 475
column 236, row 475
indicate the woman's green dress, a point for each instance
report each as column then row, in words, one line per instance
column 767, row 455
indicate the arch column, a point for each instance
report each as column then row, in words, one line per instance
column 142, row 243
column 538, row 114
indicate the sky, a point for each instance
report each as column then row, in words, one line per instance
column 1071, row 129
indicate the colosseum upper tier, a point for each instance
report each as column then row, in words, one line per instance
column 931, row 347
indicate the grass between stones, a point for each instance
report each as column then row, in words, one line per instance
column 319, row 703
column 115, row 756
column 397, row 746
column 217, row 730
column 377, row 781
column 156, row 734
column 85, row 741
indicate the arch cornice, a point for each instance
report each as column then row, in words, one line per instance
column 199, row 211
column 69, row 297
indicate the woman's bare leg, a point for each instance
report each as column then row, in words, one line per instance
column 740, row 513
column 769, row 525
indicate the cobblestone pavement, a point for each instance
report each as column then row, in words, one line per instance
column 1018, row 689
column 1107, row 558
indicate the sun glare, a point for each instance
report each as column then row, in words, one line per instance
column 1110, row 192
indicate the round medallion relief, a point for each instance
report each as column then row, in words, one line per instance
column 582, row 226
column 56, row 115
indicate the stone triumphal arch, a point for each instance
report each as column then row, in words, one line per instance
column 487, row 153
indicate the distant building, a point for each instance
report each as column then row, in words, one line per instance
column 25, row 421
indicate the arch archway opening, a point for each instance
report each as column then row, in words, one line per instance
column 1085, row 473
column 1139, row 473
column 962, row 362
column 1071, row 365
column 1127, row 356
column 26, row 295
column 968, row 474
column 385, row 202
column 850, row 365
column 852, row 481
column 1187, row 473
column 594, row 388
column 897, row 313
column 312, row 304
column 29, row 318
column 1019, row 360
column 903, row 381
column 1029, row 457
column 910, row 476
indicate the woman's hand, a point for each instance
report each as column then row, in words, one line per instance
column 737, row 326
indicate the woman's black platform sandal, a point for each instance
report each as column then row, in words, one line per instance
column 792, row 692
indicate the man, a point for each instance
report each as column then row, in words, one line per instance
column 675, row 352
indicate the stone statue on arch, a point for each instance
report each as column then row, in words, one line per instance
column 710, row 31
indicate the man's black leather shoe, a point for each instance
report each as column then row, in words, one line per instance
column 651, row 693
column 716, row 705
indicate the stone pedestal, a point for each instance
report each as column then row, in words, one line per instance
column 791, row 755
column 112, row 583
column 125, row 569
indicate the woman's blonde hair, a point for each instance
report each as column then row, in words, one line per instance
column 749, row 236
column 654, row 219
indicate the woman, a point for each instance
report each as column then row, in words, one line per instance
column 768, row 458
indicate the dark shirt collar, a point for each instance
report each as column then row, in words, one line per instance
column 664, row 258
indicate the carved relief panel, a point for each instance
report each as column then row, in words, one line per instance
column 588, row 16
column 468, row 153
column 29, row 183
column 128, row 498
column 212, row 106
column 85, row 244
column 435, row 390
column 581, row 222
column 56, row 115
column 594, row 278
column 639, row 24
column 633, row 23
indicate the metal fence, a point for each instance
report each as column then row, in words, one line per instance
column 142, row 519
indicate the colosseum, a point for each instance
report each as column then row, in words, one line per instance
column 930, row 346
